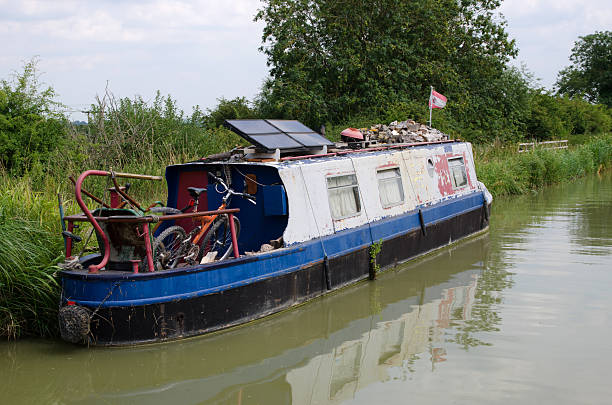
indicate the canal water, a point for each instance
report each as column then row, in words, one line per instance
column 520, row 314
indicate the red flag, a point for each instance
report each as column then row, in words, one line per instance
column 436, row 100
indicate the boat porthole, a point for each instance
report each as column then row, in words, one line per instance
column 430, row 167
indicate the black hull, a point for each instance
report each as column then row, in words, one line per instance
column 183, row 318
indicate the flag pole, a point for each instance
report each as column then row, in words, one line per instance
column 430, row 103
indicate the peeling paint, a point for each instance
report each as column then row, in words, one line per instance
column 306, row 186
column 441, row 169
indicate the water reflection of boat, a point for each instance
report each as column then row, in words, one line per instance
column 335, row 376
column 332, row 347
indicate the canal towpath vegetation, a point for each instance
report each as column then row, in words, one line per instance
column 360, row 78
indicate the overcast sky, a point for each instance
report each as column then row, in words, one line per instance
column 198, row 51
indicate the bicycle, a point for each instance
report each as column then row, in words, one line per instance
column 174, row 245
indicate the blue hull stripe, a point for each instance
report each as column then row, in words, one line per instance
column 150, row 288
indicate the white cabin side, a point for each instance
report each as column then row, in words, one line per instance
column 428, row 175
column 369, row 169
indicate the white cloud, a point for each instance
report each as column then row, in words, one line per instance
column 138, row 46
column 161, row 20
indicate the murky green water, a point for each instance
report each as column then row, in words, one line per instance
column 519, row 315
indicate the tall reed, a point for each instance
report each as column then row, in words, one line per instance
column 30, row 246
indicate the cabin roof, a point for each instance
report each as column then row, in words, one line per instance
column 333, row 154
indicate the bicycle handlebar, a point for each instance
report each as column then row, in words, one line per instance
column 217, row 179
column 230, row 192
column 249, row 197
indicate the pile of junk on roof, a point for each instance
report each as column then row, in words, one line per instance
column 397, row 132
column 407, row 131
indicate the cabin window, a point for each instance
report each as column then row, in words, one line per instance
column 457, row 172
column 390, row 187
column 343, row 193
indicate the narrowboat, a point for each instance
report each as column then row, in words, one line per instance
column 261, row 229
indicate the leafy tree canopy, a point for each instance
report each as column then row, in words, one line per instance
column 590, row 74
column 30, row 124
column 330, row 60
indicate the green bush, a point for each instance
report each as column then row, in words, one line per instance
column 597, row 119
column 547, row 119
column 124, row 130
column 582, row 117
column 31, row 128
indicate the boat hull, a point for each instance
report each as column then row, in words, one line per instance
column 320, row 269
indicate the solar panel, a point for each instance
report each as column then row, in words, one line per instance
column 290, row 126
column 310, row 139
column 275, row 141
column 277, row 134
column 253, row 126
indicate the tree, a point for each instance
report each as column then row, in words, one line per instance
column 590, row 74
column 330, row 60
column 31, row 126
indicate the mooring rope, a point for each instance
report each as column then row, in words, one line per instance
column 314, row 216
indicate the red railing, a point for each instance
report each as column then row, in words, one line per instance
column 145, row 220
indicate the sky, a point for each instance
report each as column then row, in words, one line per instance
column 198, row 51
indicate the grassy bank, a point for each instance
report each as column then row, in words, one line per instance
column 31, row 245
column 506, row 172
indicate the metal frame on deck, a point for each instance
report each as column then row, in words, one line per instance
column 88, row 216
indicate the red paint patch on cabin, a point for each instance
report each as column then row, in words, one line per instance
column 445, row 186
column 191, row 179
column 441, row 168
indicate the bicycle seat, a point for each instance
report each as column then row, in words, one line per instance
column 195, row 192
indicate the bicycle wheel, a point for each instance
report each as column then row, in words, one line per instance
column 167, row 248
column 219, row 238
